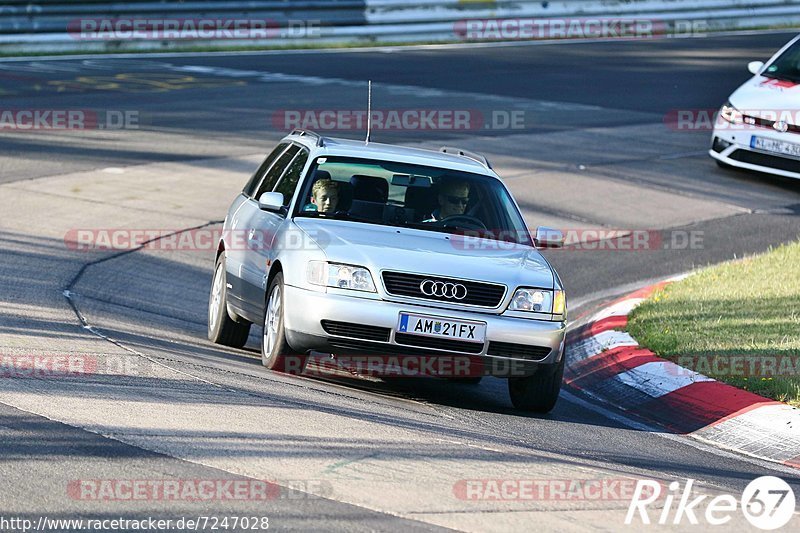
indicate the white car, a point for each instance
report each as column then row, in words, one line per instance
column 758, row 128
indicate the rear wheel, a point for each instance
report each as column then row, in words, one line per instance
column 222, row 329
column 276, row 354
column 538, row 393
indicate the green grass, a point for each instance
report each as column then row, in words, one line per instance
column 736, row 318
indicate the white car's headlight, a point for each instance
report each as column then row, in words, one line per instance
column 539, row 301
column 731, row 114
column 340, row 276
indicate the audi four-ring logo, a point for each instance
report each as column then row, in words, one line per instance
column 442, row 289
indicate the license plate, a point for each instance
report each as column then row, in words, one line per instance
column 778, row 147
column 431, row 326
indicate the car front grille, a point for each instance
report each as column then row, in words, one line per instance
column 766, row 160
column 518, row 351
column 478, row 293
column 438, row 344
column 356, row 331
column 767, row 123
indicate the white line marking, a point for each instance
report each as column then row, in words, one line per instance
column 622, row 308
column 596, row 344
column 659, row 378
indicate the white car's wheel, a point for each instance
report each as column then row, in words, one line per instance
column 276, row 354
column 222, row 329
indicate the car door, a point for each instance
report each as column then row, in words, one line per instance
column 240, row 237
column 264, row 225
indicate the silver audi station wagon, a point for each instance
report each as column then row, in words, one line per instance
column 347, row 247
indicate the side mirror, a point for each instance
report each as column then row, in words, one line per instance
column 755, row 66
column 271, row 201
column 548, row 238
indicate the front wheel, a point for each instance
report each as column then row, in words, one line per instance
column 538, row 393
column 276, row 354
column 222, row 329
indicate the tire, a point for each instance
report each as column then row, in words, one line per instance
column 720, row 164
column 222, row 329
column 537, row 393
column 276, row 354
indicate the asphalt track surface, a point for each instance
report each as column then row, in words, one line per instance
column 594, row 152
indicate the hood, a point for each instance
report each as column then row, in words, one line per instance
column 761, row 96
column 427, row 252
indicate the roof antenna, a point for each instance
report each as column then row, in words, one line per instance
column 369, row 112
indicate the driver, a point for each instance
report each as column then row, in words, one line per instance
column 453, row 200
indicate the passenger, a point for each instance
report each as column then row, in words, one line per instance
column 453, row 200
column 324, row 197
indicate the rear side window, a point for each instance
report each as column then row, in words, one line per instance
column 275, row 172
column 289, row 180
column 252, row 184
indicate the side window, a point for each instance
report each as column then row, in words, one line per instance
column 277, row 169
column 250, row 188
column 292, row 175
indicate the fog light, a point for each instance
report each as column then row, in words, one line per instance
column 719, row 144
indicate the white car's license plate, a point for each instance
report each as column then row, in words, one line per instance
column 778, row 147
column 431, row 326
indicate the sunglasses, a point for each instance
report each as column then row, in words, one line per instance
column 457, row 199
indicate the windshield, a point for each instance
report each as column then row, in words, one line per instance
column 404, row 195
column 787, row 66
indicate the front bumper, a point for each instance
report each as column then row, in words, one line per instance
column 733, row 148
column 306, row 310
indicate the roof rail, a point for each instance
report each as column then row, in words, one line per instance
column 466, row 153
column 309, row 133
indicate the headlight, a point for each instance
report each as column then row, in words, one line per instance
column 340, row 276
column 539, row 301
column 731, row 114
